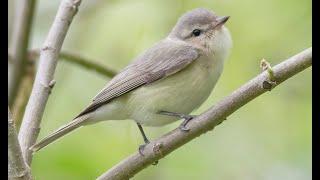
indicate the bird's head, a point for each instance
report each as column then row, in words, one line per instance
column 202, row 29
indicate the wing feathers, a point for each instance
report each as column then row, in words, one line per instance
column 160, row 61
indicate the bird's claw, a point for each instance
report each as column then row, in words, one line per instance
column 141, row 149
column 186, row 118
column 184, row 128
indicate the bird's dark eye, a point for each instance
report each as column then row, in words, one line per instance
column 196, row 32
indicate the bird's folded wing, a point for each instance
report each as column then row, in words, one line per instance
column 160, row 61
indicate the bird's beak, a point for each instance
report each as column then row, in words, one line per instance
column 221, row 20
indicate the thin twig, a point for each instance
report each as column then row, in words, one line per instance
column 161, row 147
column 92, row 65
column 81, row 61
column 44, row 82
column 17, row 168
column 24, row 13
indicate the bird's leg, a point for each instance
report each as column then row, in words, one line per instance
column 186, row 118
column 146, row 141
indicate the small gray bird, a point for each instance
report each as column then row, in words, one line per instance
column 166, row 82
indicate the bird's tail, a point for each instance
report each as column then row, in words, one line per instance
column 74, row 124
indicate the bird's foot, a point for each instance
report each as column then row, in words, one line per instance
column 141, row 149
column 187, row 119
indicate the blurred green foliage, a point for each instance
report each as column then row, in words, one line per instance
column 268, row 139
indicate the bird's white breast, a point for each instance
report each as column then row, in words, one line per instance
column 181, row 92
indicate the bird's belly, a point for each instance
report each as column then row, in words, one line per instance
column 182, row 92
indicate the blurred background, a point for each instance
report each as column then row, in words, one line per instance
column 268, row 139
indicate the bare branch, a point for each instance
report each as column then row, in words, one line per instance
column 19, row 45
column 89, row 64
column 81, row 61
column 17, row 168
column 44, row 82
column 161, row 147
